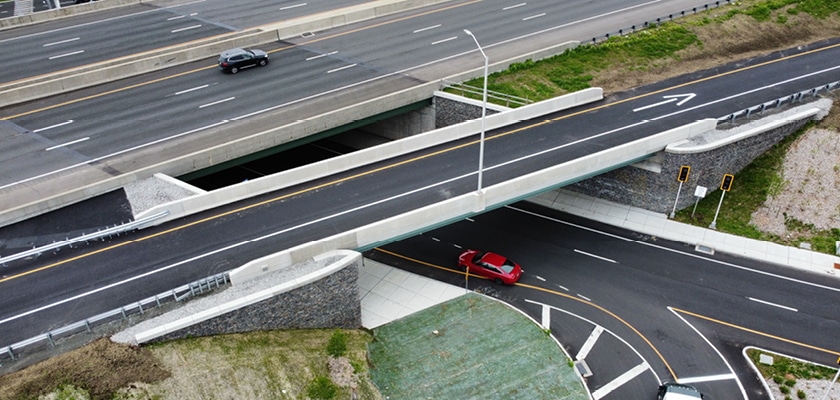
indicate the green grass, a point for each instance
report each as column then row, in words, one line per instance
column 574, row 70
column 482, row 349
column 783, row 368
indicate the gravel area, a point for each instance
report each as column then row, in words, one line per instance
column 808, row 193
column 813, row 389
column 149, row 192
column 231, row 293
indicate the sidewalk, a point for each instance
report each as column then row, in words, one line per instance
column 390, row 293
column 706, row 240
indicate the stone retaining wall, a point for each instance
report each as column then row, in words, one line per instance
column 332, row 302
column 656, row 191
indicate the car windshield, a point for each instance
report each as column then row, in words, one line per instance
column 508, row 266
column 679, row 389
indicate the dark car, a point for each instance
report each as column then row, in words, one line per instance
column 676, row 391
column 234, row 60
column 490, row 265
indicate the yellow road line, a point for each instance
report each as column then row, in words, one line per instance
column 542, row 289
column 755, row 332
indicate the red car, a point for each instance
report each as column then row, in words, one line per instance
column 490, row 265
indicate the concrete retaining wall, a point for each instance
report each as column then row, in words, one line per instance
column 327, row 298
column 345, row 162
column 463, row 206
column 655, row 189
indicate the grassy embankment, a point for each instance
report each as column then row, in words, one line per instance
column 704, row 40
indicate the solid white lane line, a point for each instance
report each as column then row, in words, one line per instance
column 292, row 6
column 584, row 297
column 742, row 267
column 620, row 380
column 67, row 54
column 362, row 207
column 772, row 304
column 216, row 102
column 710, row 378
column 69, row 121
column 594, row 256
column 321, row 55
column 341, row 68
column 514, row 6
column 67, row 144
column 566, row 145
column 723, row 359
column 568, row 223
column 115, row 284
column 533, row 16
column 115, row 154
column 193, row 89
column 589, row 343
column 60, row 42
column 772, row 85
column 185, row 28
column 426, row 28
column 445, row 40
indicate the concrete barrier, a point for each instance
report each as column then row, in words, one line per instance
column 43, row 16
column 456, row 208
column 207, row 157
column 371, row 155
column 685, row 147
column 124, row 67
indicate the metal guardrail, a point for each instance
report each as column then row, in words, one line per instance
column 660, row 20
column 109, row 232
column 796, row 97
column 479, row 92
column 14, row 351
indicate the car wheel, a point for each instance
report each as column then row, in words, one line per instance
column 234, row 70
column 499, row 281
column 263, row 63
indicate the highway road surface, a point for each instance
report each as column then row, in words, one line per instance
column 637, row 309
column 116, row 129
column 56, row 289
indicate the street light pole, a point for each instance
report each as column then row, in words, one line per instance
column 483, row 111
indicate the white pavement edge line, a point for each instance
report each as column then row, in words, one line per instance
column 115, row 284
column 725, row 362
column 620, row 380
column 741, row 267
column 569, row 224
column 595, row 256
column 589, row 343
column 644, row 361
column 772, row 304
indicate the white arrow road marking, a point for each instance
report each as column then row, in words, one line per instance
column 671, row 98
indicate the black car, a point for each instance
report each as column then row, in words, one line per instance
column 235, row 60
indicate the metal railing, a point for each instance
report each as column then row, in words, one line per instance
column 790, row 99
column 179, row 294
column 86, row 238
column 660, row 20
column 465, row 89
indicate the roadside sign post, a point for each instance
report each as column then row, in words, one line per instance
column 699, row 193
column 827, row 391
column 682, row 177
column 725, row 185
